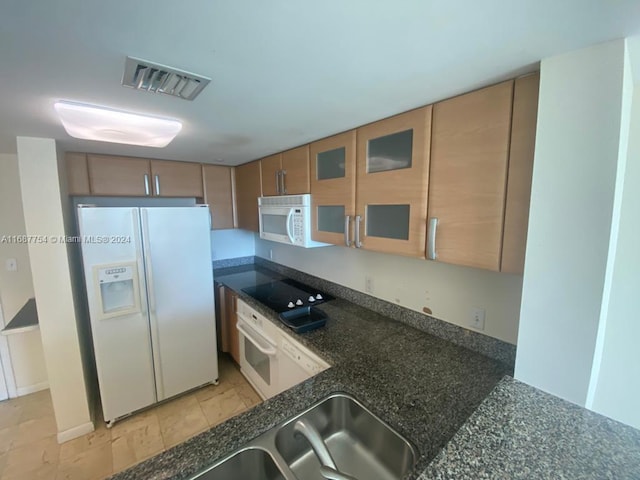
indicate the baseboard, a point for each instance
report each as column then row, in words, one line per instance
column 36, row 387
column 75, row 432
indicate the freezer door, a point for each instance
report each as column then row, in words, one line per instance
column 112, row 259
column 181, row 299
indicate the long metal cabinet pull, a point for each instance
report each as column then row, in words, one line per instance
column 431, row 238
column 358, row 243
column 277, row 175
column 347, row 224
column 283, row 174
column 157, row 184
column 146, row 184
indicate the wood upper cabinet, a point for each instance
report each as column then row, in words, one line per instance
column 295, row 171
column 248, row 189
column 333, row 188
column 469, row 158
column 176, row 179
column 123, row 176
column 271, row 167
column 77, row 174
column 392, row 177
column 141, row 177
column 523, row 137
column 286, row 173
column 218, row 193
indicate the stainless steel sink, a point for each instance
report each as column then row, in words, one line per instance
column 362, row 445
column 248, row 464
column 337, row 438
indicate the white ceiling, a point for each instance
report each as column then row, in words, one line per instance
column 284, row 72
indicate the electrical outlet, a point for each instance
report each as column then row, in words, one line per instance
column 271, row 254
column 368, row 284
column 477, row 318
column 12, row 265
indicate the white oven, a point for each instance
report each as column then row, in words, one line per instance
column 259, row 340
column 287, row 219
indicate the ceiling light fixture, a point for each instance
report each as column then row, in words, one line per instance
column 103, row 124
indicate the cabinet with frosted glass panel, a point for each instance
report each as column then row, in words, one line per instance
column 369, row 187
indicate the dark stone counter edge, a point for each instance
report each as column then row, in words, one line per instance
column 483, row 344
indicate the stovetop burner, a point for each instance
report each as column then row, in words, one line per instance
column 286, row 294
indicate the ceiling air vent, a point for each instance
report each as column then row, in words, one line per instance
column 156, row 78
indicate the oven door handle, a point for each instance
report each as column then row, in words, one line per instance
column 267, row 350
column 289, row 234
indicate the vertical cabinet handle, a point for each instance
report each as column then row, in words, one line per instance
column 157, row 184
column 146, row 184
column 431, row 238
column 283, row 173
column 358, row 243
column 277, row 175
column 347, row 221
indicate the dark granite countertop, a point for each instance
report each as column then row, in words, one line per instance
column 424, row 387
column 522, row 432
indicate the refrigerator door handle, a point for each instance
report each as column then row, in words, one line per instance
column 147, row 262
column 136, row 235
column 153, row 322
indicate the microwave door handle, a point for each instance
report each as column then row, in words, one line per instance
column 289, row 233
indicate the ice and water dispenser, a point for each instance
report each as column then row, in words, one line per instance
column 117, row 289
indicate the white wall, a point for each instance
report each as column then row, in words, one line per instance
column 16, row 288
column 615, row 387
column 232, row 244
column 449, row 291
column 52, row 284
column 574, row 178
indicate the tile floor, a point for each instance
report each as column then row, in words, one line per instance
column 29, row 450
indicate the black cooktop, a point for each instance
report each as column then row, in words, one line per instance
column 286, row 294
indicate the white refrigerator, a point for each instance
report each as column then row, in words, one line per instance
column 150, row 293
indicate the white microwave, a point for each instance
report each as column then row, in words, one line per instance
column 287, row 219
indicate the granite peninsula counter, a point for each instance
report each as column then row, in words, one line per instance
column 423, row 386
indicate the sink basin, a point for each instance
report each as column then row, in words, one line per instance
column 248, row 464
column 361, row 444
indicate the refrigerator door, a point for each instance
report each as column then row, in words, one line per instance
column 180, row 295
column 115, row 280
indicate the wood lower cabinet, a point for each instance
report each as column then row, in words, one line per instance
column 392, row 182
column 119, row 176
column 523, row 138
column 77, row 174
column 218, row 194
column 176, row 179
column 333, row 188
column 226, row 306
column 469, row 158
column 248, row 189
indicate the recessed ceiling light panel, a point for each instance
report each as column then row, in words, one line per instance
column 90, row 122
column 156, row 78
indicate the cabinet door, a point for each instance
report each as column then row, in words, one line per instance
column 231, row 304
column 110, row 175
column 248, row 189
column 271, row 182
column 469, row 152
column 295, row 169
column 176, row 179
column 77, row 174
column 218, row 194
column 333, row 187
column 523, row 139
column 392, row 180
